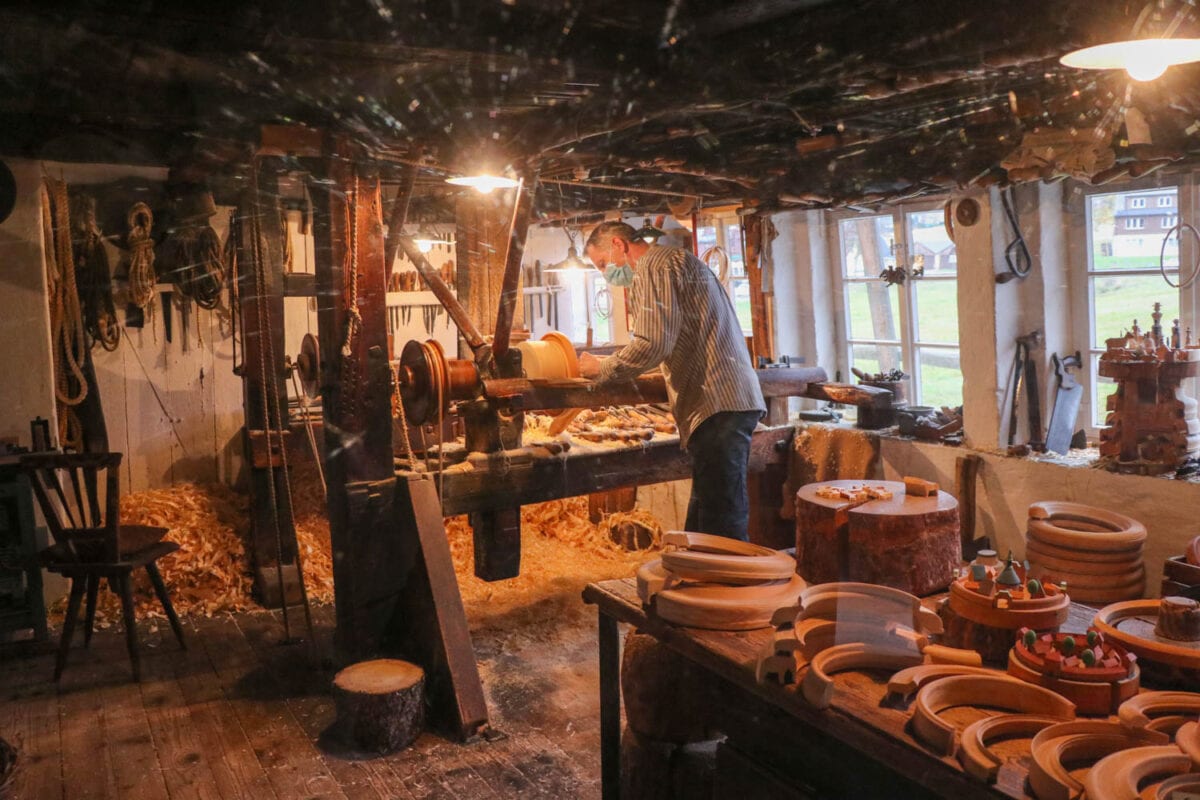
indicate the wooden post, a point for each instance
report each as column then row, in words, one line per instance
column 752, row 241
column 394, row 582
column 260, row 289
column 356, row 398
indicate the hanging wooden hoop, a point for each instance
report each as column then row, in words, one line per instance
column 722, row 272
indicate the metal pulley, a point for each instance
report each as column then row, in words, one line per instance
column 429, row 381
column 308, row 366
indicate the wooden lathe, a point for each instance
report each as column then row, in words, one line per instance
column 396, row 592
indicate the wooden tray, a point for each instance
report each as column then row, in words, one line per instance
column 1131, row 624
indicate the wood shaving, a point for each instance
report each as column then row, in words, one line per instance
column 855, row 494
column 562, row 551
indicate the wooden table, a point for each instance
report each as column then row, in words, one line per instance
column 860, row 746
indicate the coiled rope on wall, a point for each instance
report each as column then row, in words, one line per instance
column 141, row 255
column 66, row 317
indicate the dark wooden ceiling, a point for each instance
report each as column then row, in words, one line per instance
column 787, row 102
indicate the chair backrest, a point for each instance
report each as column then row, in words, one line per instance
column 67, row 486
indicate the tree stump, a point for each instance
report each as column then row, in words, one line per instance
column 905, row 542
column 380, row 704
column 663, row 692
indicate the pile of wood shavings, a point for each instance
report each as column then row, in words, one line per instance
column 210, row 573
column 561, row 552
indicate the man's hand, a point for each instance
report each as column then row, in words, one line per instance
column 589, row 366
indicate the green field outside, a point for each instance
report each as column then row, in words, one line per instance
column 937, row 321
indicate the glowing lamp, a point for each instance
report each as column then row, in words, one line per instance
column 1143, row 59
column 484, row 184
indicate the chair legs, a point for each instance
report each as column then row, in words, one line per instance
column 64, row 644
column 122, row 584
column 89, row 616
column 160, row 589
column 125, row 586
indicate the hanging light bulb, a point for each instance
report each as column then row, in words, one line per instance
column 572, row 262
column 484, row 183
column 1143, row 59
column 426, row 240
column 648, row 233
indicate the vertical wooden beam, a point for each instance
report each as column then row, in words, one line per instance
column 510, row 287
column 356, row 398
column 260, row 289
column 396, row 221
column 752, row 240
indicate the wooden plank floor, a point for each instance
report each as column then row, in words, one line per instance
column 241, row 714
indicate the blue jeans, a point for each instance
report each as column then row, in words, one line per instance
column 720, row 451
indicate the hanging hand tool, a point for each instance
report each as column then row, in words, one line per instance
column 166, row 306
column 1066, row 403
column 1022, row 364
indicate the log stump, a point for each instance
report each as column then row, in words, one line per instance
column 905, row 542
column 380, row 704
column 663, row 692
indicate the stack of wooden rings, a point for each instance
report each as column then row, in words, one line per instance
column 712, row 582
column 1096, row 552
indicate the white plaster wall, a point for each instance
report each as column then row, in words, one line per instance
column 978, row 326
column 1007, row 487
column 26, row 390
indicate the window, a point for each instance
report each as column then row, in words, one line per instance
column 1170, row 221
column 1123, row 282
column 1166, row 201
column 725, row 231
column 1135, row 223
column 911, row 326
column 1136, row 202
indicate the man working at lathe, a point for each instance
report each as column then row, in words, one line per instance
column 684, row 320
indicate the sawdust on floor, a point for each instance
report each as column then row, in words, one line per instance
column 562, row 551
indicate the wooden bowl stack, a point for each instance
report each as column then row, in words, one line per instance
column 1096, row 552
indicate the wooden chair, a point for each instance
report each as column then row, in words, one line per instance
column 90, row 542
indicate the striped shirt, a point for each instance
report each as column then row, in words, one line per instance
column 684, row 320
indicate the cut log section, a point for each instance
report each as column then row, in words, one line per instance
column 905, row 542
column 1178, row 619
column 380, row 704
column 660, row 689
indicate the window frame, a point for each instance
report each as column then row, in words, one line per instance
column 720, row 219
column 909, row 344
column 1081, row 272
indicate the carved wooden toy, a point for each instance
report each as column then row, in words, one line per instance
column 901, row 541
column 988, row 604
column 1094, row 674
column 1151, row 425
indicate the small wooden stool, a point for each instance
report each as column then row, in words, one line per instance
column 380, row 704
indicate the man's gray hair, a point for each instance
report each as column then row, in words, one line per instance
column 606, row 230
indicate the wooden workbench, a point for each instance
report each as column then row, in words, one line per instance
column 859, row 747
